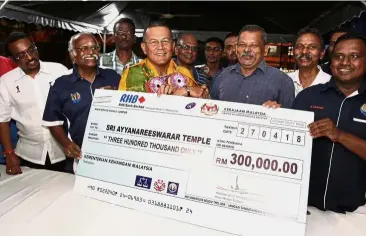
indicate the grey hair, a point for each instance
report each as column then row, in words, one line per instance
column 75, row 36
column 255, row 28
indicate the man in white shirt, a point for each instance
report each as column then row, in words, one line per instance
column 23, row 95
column 309, row 50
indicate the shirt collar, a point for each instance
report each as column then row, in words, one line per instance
column 132, row 60
column 42, row 68
column 332, row 85
column 319, row 78
column 76, row 76
column 262, row 66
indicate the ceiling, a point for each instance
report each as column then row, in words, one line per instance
column 275, row 17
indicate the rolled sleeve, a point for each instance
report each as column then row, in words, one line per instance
column 6, row 107
column 287, row 94
column 53, row 115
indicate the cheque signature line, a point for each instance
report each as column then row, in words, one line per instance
column 114, row 144
column 162, row 139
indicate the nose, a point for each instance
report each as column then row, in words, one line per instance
column 346, row 61
column 28, row 57
column 305, row 50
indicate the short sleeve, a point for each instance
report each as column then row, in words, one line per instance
column 53, row 115
column 6, row 107
column 287, row 93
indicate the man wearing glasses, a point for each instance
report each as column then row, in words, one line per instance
column 122, row 56
column 158, row 73
column 23, row 94
column 186, row 51
column 72, row 94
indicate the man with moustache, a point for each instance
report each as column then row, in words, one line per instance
column 230, row 42
column 23, row 94
column 252, row 80
column 158, row 73
column 309, row 50
column 122, row 56
column 333, row 38
column 72, row 94
column 337, row 179
column 186, row 51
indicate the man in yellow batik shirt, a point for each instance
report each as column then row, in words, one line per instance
column 158, row 73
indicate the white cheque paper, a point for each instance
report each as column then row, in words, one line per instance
column 236, row 168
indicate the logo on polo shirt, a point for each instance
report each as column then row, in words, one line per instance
column 75, row 97
column 363, row 109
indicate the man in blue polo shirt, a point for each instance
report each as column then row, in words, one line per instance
column 252, row 80
column 71, row 95
column 337, row 180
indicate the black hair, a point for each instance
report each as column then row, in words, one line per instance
column 127, row 21
column 255, row 28
column 217, row 40
column 311, row 31
column 340, row 30
column 232, row 34
column 350, row 36
column 156, row 24
column 13, row 37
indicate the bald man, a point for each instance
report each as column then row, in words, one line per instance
column 186, row 51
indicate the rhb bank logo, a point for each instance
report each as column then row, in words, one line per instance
column 130, row 98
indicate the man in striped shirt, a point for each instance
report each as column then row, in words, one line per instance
column 186, row 51
column 122, row 56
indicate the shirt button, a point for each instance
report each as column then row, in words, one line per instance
column 247, row 96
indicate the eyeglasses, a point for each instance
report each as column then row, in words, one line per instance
column 213, row 49
column 154, row 43
column 188, row 47
column 30, row 51
column 94, row 48
column 121, row 33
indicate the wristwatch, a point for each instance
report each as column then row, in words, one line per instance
column 188, row 91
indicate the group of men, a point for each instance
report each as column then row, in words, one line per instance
column 50, row 103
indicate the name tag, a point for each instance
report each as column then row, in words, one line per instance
column 359, row 120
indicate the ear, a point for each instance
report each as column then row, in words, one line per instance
column 72, row 56
column 134, row 39
column 322, row 54
column 143, row 47
column 173, row 45
column 266, row 47
column 176, row 51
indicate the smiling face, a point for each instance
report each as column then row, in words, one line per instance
column 187, row 49
column 250, row 49
column 348, row 61
column 158, row 45
column 308, row 50
column 86, row 51
column 25, row 54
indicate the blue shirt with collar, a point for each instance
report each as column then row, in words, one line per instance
column 71, row 97
column 264, row 84
column 337, row 178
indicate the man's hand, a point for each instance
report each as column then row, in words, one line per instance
column 325, row 128
column 72, row 151
column 165, row 89
column 13, row 164
column 271, row 104
column 199, row 91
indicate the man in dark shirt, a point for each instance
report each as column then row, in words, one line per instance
column 72, row 94
column 333, row 38
column 252, row 80
column 337, row 180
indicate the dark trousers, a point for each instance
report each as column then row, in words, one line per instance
column 59, row 166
